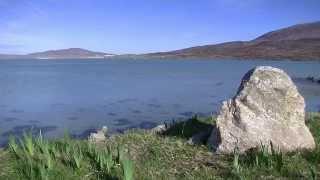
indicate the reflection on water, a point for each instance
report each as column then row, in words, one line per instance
column 83, row 95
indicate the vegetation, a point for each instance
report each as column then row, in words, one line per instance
column 139, row 154
column 37, row 158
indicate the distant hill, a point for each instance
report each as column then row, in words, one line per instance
column 298, row 42
column 69, row 53
column 296, row 32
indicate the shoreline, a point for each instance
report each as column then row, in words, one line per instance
column 155, row 156
column 170, row 58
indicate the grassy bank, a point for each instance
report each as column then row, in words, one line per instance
column 139, row 154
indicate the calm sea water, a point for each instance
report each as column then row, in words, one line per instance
column 82, row 95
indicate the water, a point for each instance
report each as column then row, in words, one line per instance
column 82, row 95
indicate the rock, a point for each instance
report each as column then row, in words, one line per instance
column 100, row 136
column 267, row 108
column 159, row 129
column 104, row 129
column 313, row 79
column 310, row 78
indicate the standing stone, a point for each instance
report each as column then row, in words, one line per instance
column 267, row 108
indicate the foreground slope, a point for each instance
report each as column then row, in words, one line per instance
column 144, row 155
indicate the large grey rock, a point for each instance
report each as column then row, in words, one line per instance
column 267, row 108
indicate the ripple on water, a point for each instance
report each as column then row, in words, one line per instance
column 17, row 111
column 127, row 100
column 136, row 112
column 122, row 122
column 177, row 105
column 112, row 114
column 81, row 110
column 58, row 105
column 33, row 121
column 152, row 105
column 10, row 119
column 73, row 118
column 219, row 84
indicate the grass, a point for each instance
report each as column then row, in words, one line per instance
column 261, row 164
column 186, row 129
column 37, row 158
column 139, row 154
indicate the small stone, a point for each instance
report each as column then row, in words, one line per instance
column 104, row 129
column 159, row 129
column 99, row 136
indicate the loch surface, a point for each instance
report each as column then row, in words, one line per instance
column 82, row 95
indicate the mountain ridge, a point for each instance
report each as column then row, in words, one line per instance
column 297, row 42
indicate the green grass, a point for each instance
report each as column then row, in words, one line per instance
column 185, row 129
column 139, row 154
column 37, row 158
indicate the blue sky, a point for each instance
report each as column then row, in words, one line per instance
column 140, row 26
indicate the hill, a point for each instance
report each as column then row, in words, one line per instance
column 71, row 53
column 298, row 42
column 68, row 53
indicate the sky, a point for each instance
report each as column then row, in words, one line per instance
column 142, row 26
